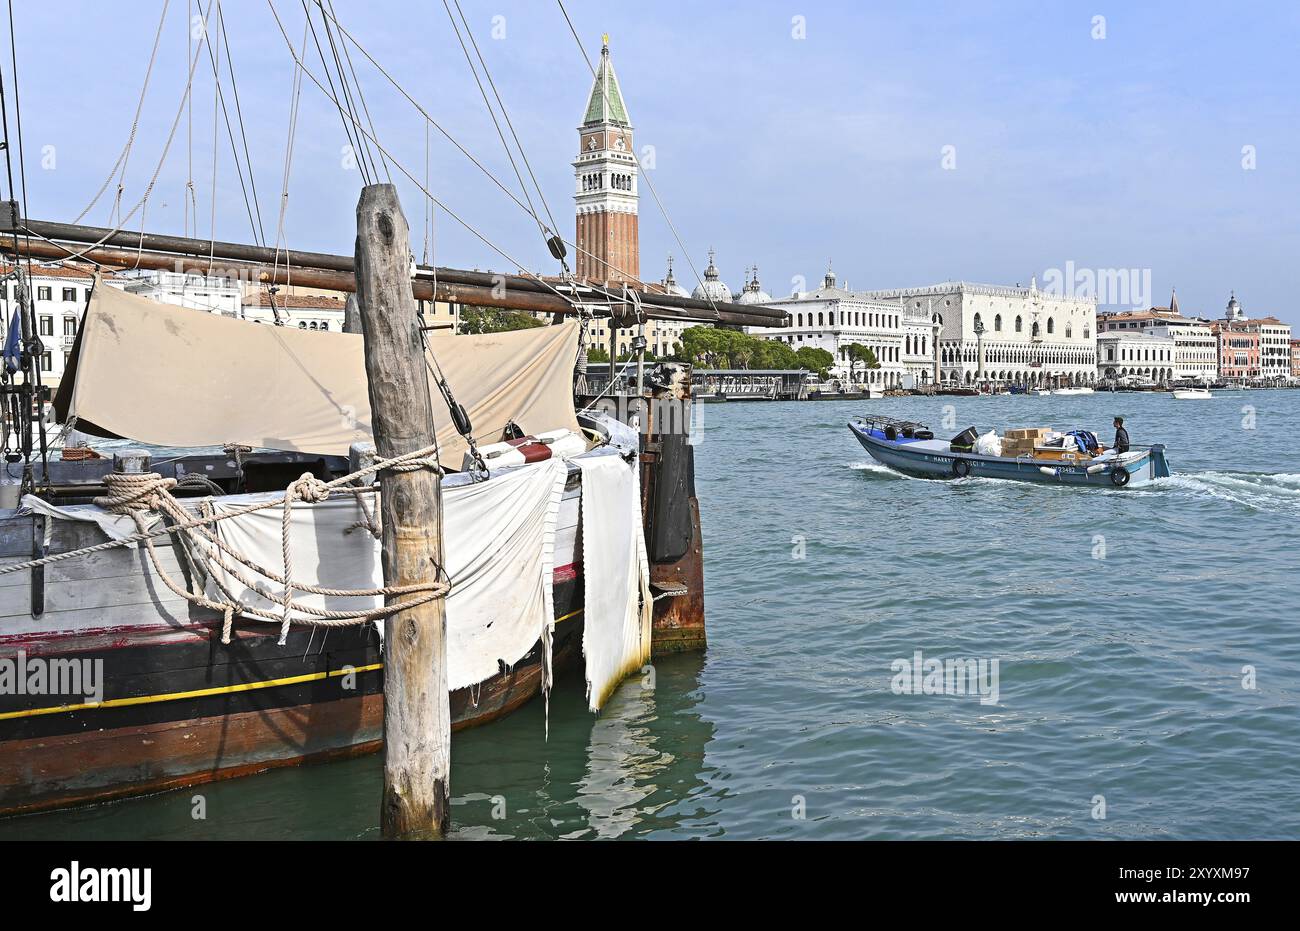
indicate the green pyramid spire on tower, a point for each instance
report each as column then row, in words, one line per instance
column 605, row 105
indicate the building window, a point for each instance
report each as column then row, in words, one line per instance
column 69, row 294
column 43, row 293
column 1051, row 325
column 69, row 326
column 1019, row 325
column 46, row 325
column 47, row 362
column 997, row 324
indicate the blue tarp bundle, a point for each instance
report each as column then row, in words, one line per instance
column 1085, row 440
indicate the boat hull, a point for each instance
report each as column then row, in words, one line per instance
column 931, row 463
column 181, row 708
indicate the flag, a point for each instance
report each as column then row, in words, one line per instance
column 14, row 343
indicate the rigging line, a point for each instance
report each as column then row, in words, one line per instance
column 505, row 113
column 347, row 88
column 495, row 122
column 135, row 123
column 188, row 194
column 239, row 114
column 35, row 374
column 295, row 95
column 171, row 136
column 347, row 130
column 216, row 97
column 400, row 167
column 346, row 85
column 348, row 96
column 649, row 183
column 214, row 57
column 425, row 255
column 361, row 96
column 469, row 155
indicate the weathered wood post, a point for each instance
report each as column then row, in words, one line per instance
column 417, row 720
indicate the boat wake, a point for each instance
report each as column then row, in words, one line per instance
column 1271, row 492
column 878, row 470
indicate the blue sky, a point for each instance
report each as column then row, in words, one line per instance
column 1111, row 153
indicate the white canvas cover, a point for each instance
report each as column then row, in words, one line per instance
column 170, row 376
column 616, row 573
column 498, row 543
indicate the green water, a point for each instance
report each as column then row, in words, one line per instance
column 1122, row 621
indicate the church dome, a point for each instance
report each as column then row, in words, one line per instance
column 670, row 283
column 712, row 288
column 753, row 292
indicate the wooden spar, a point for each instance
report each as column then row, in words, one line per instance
column 335, row 272
column 417, row 717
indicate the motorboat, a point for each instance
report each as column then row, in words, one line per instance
column 912, row 449
column 1040, row 391
column 1073, row 390
column 1192, row 394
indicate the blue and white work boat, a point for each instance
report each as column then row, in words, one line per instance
column 910, row 448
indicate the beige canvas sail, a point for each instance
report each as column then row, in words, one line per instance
column 170, row 376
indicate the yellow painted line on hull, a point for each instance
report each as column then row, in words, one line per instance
column 205, row 693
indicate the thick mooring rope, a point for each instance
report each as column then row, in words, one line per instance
column 137, row 494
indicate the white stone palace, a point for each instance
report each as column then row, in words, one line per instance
column 833, row 318
column 992, row 333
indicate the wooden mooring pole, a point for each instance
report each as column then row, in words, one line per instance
column 417, row 717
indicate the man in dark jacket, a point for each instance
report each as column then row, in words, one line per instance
column 1121, row 436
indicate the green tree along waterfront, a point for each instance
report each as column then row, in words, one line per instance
column 495, row 320
column 860, row 355
column 716, row 348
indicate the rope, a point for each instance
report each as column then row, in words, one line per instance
column 137, row 494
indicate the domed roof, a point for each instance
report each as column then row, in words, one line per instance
column 670, row 283
column 712, row 288
column 753, row 292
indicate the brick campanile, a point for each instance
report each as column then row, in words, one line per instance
column 605, row 192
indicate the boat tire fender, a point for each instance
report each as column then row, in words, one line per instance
column 1119, row 476
column 960, row 468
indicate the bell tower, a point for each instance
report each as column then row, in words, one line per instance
column 605, row 192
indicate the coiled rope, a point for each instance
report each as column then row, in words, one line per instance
column 137, row 494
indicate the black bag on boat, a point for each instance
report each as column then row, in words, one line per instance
column 891, row 433
column 965, row 441
column 923, row 435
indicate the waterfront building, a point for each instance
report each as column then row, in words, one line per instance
column 1135, row 353
column 214, row 294
column 1196, row 355
column 1003, row 335
column 606, row 184
column 833, row 318
column 1255, row 348
column 1295, row 359
column 59, row 294
column 304, row 311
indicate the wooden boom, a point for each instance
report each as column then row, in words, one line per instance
column 268, row 266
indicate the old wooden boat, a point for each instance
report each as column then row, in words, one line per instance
column 153, row 692
column 912, row 449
